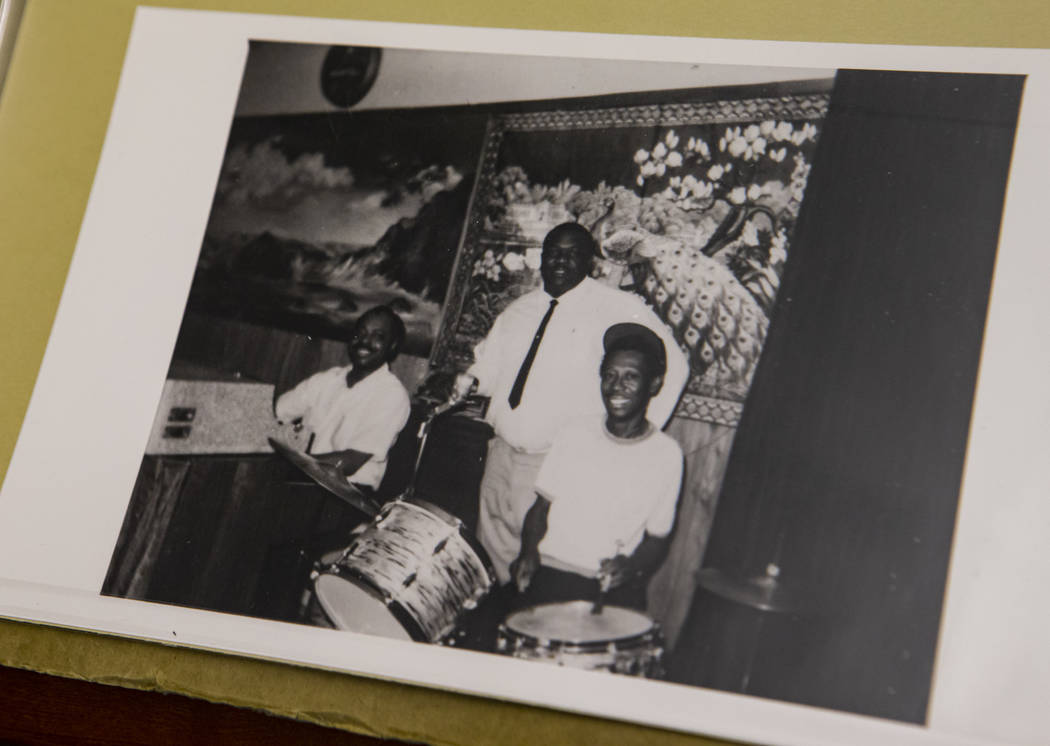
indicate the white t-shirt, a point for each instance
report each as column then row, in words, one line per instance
column 563, row 380
column 606, row 492
column 366, row 417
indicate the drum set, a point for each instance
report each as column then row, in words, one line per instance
column 415, row 571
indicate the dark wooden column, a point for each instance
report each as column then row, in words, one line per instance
column 846, row 468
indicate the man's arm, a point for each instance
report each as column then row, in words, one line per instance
column 489, row 358
column 663, row 404
column 641, row 563
column 532, row 532
column 293, row 404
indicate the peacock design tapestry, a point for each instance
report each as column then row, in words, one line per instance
column 693, row 207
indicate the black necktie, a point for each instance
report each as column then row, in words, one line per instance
column 519, row 383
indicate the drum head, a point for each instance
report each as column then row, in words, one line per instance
column 354, row 608
column 573, row 622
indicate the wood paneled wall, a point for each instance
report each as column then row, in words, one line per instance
column 706, row 447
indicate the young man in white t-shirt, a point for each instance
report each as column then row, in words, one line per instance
column 607, row 491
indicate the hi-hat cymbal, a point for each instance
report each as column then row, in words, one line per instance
column 326, row 476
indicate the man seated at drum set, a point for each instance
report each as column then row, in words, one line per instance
column 578, row 496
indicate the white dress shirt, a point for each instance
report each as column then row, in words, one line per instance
column 563, row 383
column 366, row 417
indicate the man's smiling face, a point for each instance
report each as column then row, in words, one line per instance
column 371, row 342
column 564, row 263
column 627, row 384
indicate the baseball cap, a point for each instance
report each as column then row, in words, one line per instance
column 631, row 336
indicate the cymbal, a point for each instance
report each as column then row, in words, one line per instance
column 326, row 476
column 762, row 592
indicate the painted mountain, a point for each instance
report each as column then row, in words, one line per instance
column 316, row 220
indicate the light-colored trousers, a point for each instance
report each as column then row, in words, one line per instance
column 507, row 493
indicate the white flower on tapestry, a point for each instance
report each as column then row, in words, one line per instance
column 487, row 266
column 662, row 157
column 699, row 148
column 533, row 258
column 778, row 248
column 513, row 262
column 494, row 267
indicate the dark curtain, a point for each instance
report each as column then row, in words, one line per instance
column 846, row 469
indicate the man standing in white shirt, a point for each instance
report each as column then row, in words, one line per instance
column 355, row 412
column 538, row 365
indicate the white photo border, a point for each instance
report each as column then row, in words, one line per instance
column 123, row 302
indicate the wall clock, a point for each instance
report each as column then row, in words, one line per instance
column 348, row 73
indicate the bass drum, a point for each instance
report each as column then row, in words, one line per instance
column 410, row 574
column 567, row 634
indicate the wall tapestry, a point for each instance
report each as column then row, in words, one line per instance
column 693, row 207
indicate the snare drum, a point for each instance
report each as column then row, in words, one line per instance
column 410, row 575
column 568, row 634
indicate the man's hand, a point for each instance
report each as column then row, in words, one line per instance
column 524, row 568
column 615, row 571
column 463, row 385
column 533, row 530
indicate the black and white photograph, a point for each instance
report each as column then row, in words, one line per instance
column 626, row 382
column 658, row 371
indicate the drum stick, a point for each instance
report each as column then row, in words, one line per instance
column 603, row 586
column 599, row 602
column 604, row 581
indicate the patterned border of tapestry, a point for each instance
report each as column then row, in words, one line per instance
column 693, row 206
